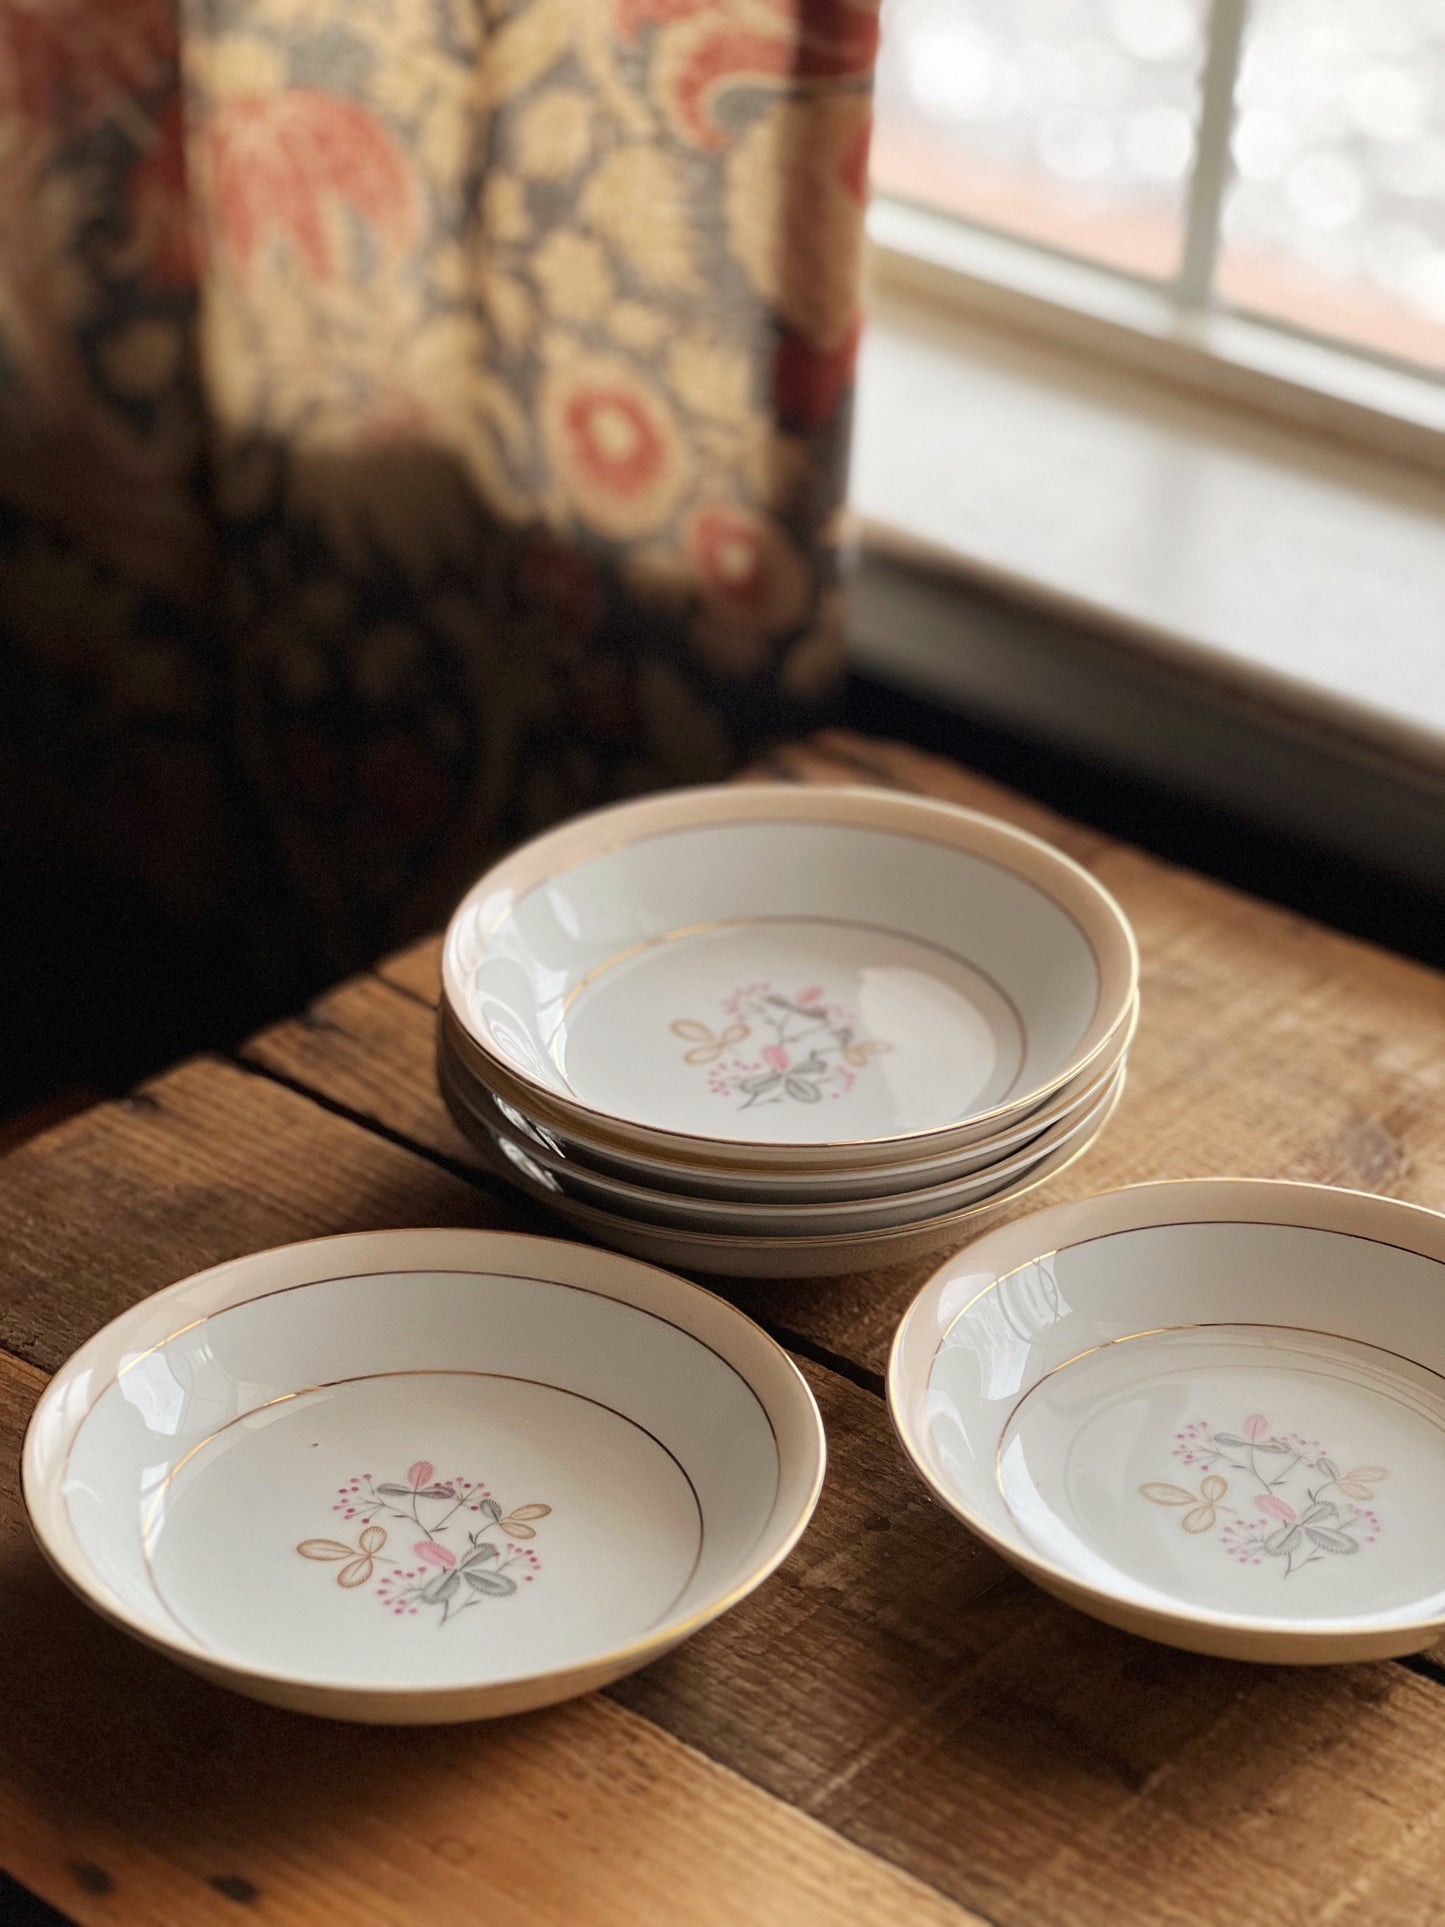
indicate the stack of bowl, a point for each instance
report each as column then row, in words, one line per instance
column 782, row 1031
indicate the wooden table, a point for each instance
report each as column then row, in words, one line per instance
column 896, row 1727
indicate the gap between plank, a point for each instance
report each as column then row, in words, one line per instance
column 1425, row 1666
column 403, row 990
column 454, row 1167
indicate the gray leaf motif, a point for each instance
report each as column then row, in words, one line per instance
column 763, row 1081
column 1229, row 1438
column 1276, row 1446
column 804, row 1093
column 492, row 1510
column 1321, row 1513
column 478, row 1556
column 1328, row 1540
column 1329, row 1467
column 495, row 1584
column 441, row 1588
column 1286, row 1540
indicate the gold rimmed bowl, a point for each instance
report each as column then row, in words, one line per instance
column 1210, row 1412
column 792, row 981
column 422, row 1475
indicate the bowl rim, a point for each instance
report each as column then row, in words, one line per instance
column 40, row 1484
column 1014, row 1138
column 602, row 832
column 938, row 1228
column 1288, row 1203
column 774, row 1214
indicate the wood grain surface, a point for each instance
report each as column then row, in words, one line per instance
column 896, row 1726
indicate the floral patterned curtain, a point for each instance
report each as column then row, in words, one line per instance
column 418, row 419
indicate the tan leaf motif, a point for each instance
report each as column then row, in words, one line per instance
column 1200, row 1519
column 515, row 1531
column 356, row 1574
column 1213, row 1487
column 1368, row 1474
column 859, row 1053
column 373, row 1538
column 707, row 1046
column 1162, row 1493
column 325, row 1549
column 529, row 1512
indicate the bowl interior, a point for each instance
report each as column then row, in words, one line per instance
column 783, row 982
column 1241, row 1422
column 414, row 1479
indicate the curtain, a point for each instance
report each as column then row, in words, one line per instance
column 419, row 419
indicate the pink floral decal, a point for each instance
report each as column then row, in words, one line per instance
column 457, row 1563
column 1300, row 1508
column 801, row 1049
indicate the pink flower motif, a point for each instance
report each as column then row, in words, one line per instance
column 433, row 1554
column 775, row 1055
column 422, row 1473
column 1256, row 1428
column 1276, row 1508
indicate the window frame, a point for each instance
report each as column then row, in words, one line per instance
column 1175, row 329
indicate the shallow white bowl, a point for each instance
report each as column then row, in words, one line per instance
column 548, row 1177
column 791, row 977
column 562, row 1151
column 757, row 1255
column 422, row 1475
column 1212, row 1413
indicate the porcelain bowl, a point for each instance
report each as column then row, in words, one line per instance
column 422, row 1475
column 787, row 978
column 818, row 1255
column 552, row 1179
column 566, row 1151
column 1212, row 1413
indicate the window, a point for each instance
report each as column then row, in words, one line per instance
column 1280, row 161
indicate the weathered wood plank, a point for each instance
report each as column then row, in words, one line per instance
column 131, row 1792
column 417, row 970
column 371, row 1048
column 200, row 1165
column 894, row 1680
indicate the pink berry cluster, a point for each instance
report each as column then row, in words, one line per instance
column 1190, row 1442
column 732, row 1006
column 392, row 1590
column 1241, row 1542
column 349, row 1496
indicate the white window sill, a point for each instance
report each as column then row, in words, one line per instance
column 1267, row 562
